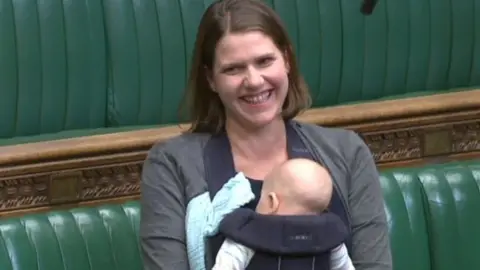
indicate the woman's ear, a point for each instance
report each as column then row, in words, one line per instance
column 287, row 60
column 209, row 75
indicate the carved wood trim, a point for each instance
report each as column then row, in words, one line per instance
column 78, row 185
column 103, row 168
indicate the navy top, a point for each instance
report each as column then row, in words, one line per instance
column 257, row 190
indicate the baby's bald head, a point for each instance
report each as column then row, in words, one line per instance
column 301, row 186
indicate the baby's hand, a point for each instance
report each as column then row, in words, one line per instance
column 224, row 265
column 232, row 256
column 233, row 195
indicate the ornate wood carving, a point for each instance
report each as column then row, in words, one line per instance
column 466, row 137
column 397, row 145
column 111, row 181
column 21, row 192
column 80, row 185
column 424, row 142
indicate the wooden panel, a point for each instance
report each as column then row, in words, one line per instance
column 106, row 168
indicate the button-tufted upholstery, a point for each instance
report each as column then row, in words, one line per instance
column 432, row 215
column 72, row 68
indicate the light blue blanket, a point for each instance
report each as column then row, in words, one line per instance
column 204, row 216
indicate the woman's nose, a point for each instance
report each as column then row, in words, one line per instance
column 254, row 79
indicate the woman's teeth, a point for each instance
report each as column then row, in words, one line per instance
column 257, row 99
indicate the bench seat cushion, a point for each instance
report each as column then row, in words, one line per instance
column 103, row 238
column 433, row 215
column 404, row 205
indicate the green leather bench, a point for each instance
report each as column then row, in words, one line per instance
column 432, row 214
column 90, row 67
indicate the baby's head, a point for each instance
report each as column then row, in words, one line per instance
column 296, row 187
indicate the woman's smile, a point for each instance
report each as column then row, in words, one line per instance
column 258, row 99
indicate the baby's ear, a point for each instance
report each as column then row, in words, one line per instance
column 273, row 202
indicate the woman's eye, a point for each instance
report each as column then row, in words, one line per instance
column 265, row 62
column 231, row 70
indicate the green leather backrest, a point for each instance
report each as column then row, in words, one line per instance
column 404, row 47
column 86, row 64
column 104, row 238
column 53, row 73
column 149, row 47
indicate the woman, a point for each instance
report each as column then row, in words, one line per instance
column 244, row 90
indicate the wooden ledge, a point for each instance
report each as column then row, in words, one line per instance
column 338, row 116
column 86, row 146
column 368, row 112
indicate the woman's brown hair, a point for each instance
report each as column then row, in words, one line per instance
column 207, row 113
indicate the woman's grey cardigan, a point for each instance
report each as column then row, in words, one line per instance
column 173, row 174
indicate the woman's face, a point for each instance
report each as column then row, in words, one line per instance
column 250, row 75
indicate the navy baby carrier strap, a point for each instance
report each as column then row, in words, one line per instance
column 219, row 168
column 303, row 235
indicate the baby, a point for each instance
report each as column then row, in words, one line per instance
column 297, row 188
